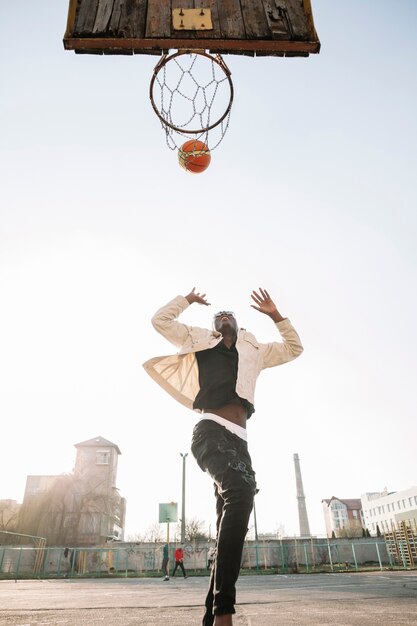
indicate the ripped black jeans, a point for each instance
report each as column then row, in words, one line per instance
column 225, row 456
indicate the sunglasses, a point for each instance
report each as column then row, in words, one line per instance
column 221, row 313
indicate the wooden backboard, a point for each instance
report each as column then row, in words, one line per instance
column 250, row 27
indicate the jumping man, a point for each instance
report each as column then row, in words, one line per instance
column 215, row 373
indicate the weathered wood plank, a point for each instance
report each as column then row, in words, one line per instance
column 231, row 20
column 244, row 26
column 72, row 12
column 112, row 45
column 114, row 25
column 132, row 19
column 158, row 21
column 254, row 18
column 298, row 19
column 310, row 20
column 84, row 23
column 103, row 15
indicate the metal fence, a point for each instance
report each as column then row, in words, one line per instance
column 279, row 556
column 312, row 555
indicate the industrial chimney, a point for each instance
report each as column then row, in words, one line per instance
column 302, row 509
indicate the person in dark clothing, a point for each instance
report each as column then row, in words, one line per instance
column 165, row 561
column 215, row 373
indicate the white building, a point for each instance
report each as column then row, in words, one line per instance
column 385, row 510
column 343, row 516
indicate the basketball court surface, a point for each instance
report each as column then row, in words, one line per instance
column 372, row 599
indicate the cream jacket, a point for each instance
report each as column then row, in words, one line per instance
column 178, row 373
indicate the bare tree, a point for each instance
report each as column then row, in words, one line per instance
column 71, row 512
column 280, row 531
column 136, row 537
column 155, row 532
column 33, row 515
column 350, row 530
column 194, row 530
column 9, row 513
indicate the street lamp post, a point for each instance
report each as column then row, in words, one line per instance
column 255, row 521
column 256, row 534
column 184, row 456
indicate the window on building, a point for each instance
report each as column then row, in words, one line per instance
column 388, row 508
column 404, row 504
column 337, row 505
column 379, row 510
column 415, row 499
column 399, row 505
column 355, row 514
column 393, row 506
column 383, row 508
column 410, row 501
column 103, row 457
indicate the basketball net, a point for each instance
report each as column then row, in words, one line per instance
column 192, row 94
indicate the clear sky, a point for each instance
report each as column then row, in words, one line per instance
column 312, row 195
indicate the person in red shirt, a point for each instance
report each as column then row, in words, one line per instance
column 179, row 561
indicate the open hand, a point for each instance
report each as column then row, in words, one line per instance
column 265, row 305
column 198, row 297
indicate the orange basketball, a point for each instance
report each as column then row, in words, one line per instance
column 194, row 156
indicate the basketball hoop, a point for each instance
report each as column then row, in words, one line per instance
column 191, row 92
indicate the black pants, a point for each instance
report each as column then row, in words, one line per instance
column 177, row 565
column 164, row 566
column 225, row 457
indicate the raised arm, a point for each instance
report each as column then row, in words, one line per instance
column 276, row 353
column 165, row 319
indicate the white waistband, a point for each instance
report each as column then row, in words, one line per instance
column 234, row 428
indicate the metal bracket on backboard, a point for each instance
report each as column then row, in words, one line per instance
column 192, row 19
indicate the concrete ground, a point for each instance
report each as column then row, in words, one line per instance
column 371, row 599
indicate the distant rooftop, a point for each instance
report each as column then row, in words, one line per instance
column 350, row 503
column 97, row 442
column 375, row 495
